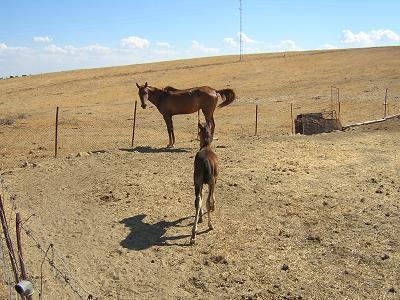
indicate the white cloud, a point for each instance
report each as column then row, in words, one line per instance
column 199, row 47
column 230, row 42
column 286, row 45
column 328, row 47
column 7, row 50
column 52, row 57
column 369, row 38
column 245, row 38
column 53, row 49
column 135, row 42
column 95, row 49
column 163, row 45
column 42, row 39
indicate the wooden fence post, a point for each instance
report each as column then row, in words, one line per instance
column 385, row 113
column 56, row 136
column 338, row 99
column 134, row 124
column 291, row 117
column 256, row 119
column 8, row 241
column 19, row 246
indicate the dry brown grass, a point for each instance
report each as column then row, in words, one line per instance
column 297, row 217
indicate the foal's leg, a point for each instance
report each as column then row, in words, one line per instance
column 201, row 208
column 196, row 218
column 212, row 204
column 209, row 206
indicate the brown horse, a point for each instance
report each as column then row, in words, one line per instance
column 205, row 172
column 170, row 101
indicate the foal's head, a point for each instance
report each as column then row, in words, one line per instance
column 143, row 93
column 205, row 135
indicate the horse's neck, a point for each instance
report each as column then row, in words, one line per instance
column 155, row 95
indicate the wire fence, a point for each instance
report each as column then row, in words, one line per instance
column 44, row 266
column 31, row 136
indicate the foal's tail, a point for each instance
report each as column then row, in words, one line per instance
column 227, row 96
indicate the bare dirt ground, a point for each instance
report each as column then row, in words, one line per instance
column 297, row 217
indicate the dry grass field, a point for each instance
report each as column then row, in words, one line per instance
column 297, row 217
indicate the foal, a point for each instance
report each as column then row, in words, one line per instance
column 205, row 172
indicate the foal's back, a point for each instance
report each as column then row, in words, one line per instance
column 205, row 166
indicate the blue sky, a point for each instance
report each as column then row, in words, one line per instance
column 46, row 36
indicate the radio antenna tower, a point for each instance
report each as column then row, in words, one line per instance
column 240, row 31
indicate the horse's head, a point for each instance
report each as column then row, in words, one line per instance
column 205, row 134
column 143, row 94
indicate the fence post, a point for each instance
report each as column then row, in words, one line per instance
column 338, row 99
column 19, row 246
column 256, row 118
column 134, row 124
column 291, row 117
column 8, row 241
column 56, row 135
column 385, row 114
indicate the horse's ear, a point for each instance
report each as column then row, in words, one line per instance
column 138, row 86
column 145, row 85
column 199, row 126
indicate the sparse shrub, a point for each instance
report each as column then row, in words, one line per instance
column 22, row 116
column 6, row 122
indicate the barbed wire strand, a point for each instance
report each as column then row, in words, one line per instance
column 67, row 277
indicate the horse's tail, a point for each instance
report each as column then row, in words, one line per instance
column 227, row 96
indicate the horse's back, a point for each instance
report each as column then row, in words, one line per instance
column 205, row 166
column 193, row 91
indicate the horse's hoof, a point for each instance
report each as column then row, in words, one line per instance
column 200, row 221
column 210, row 226
column 192, row 241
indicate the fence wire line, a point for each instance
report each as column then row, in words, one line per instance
column 66, row 275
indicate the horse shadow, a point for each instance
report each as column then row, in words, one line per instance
column 144, row 235
column 149, row 149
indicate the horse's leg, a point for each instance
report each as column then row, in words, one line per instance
column 168, row 121
column 212, row 125
column 172, row 134
column 201, row 208
column 196, row 218
column 209, row 116
column 209, row 206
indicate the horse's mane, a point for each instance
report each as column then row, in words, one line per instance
column 170, row 89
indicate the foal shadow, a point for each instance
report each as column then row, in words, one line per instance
column 144, row 235
column 148, row 149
